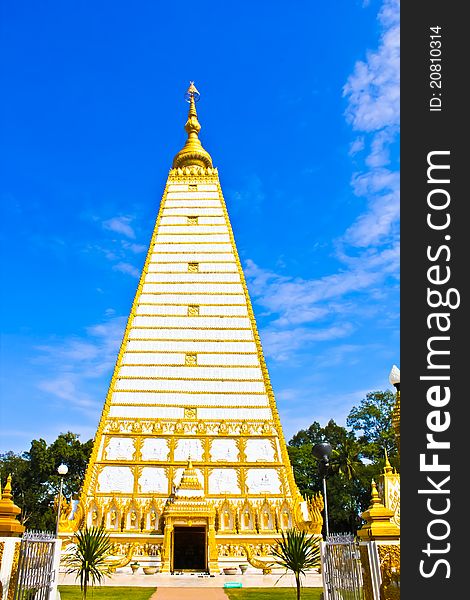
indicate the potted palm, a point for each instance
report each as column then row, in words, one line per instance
column 297, row 551
column 89, row 557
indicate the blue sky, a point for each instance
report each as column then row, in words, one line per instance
column 300, row 113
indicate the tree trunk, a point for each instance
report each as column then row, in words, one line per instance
column 297, row 582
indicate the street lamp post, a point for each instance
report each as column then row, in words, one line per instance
column 62, row 470
column 322, row 452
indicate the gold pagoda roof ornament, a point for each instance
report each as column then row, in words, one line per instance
column 9, row 525
column 192, row 154
column 189, row 480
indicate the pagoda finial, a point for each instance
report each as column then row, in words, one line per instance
column 9, row 525
column 193, row 154
column 7, row 495
column 374, row 497
column 388, row 467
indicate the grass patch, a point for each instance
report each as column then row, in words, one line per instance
column 73, row 592
column 273, row 593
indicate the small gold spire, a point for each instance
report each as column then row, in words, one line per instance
column 374, row 497
column 189, row 479
column 388, row 467
column 9, row 526
column 379, row 524
column 193, row 154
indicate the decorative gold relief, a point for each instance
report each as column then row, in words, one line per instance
column 14, row 572
column 190, row 413
column 193, row 267
column 193, row 310
column 389, row 556
column 192, row 220
column 190, row 359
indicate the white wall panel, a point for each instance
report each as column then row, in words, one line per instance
column 223, row 310
column 204, row 267
column 224, row 450
column 186, row 322
column 259, row 450
column 192, row 195
column 119, row 449
column 190, row 346
column 153, row 480
column 177, row 187
column 152, row 358
column 185, row 277
column 192, row 288
column 220, row 268
column 191, row 334
column 190, row 202
column 192, row 299
column 185, row 372
column 190, row 399
column 207, row 187
column 170, row 385
column 165, row 309
column 116, row 479
column 228, row 359
column 182, row 310
column 263, row 481
column 192, row 248
column 155, row 449
column 146, row 412
column 186, row 448
column 194, row 229
column 190, row 238
column 223, row 481
column 194, row 211
column 258, row 414
column 211, row 221
column 202, row 255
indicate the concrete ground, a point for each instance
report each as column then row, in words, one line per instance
column 191, row 581
column 189, row 594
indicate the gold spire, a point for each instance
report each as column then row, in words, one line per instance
column 193, row 154
column 189, row 479
column 9, row 526
column 379, row 524
column 388, row 467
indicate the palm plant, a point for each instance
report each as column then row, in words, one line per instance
column 88, row 559
column 297, row 551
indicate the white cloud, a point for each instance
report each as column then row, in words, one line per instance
column 124, row 267
column 373, row 89
column 72, row 368
column 373, row 110
column 120, row 225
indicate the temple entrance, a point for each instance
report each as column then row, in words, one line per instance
column 189, row 549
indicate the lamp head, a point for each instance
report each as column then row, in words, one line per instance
column 322, row 451
column 62, row 469
column 394, row 376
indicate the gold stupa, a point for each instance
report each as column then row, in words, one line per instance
column 189, row 449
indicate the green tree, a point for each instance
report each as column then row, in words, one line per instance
column 35, row 481
column 88, row 559
column 298, row 552
column 372, row 420
column 348, row 477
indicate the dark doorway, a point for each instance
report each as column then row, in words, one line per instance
column 189, row 549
